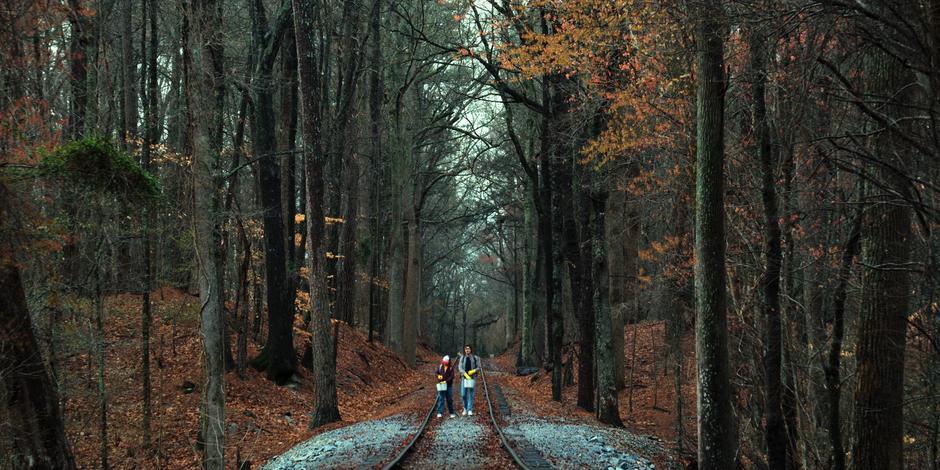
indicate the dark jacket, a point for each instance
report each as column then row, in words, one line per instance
column 462, row 363
column 448, row 374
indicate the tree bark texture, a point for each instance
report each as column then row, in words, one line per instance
column 608, row 401
column 30, row 403
column 326, row 409
column 281, row 360
column 774, row 430
column 833, row 368
column 204, row 93
column 717, row 436
column 79, row 42
column 886, row 281
column 152, row 138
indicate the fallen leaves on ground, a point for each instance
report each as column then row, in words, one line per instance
column 262, row 419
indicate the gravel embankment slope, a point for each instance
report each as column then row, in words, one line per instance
column 348, row 447
column 573, row 445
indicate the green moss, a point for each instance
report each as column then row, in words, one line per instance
column 96, row 164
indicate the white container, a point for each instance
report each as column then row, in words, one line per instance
column 442, row 386
column 469, row 383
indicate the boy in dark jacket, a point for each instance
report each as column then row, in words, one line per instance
column 445, row 375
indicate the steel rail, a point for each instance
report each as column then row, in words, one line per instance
column 401, row 455
column 427, row 419
column 515, row 456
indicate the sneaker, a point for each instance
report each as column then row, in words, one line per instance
column 463, row 413
column 470, row 413
column 439, row 415
column 453, row 416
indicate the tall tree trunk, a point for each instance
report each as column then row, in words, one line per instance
column 582, row 269
column 412, row 302
column 886, row 283
column 79, row 42
column 29, row 403
column 346, row 269
column 324, row 369
column 175, row 103
column 152, row 138
column 717, row 436
column 608, row 402
column 833, row 368
column 554, row 322
column 128, row 74
column 620, row 236
column 347, row 134
column 774, row 429
column 204, row 90
column 287, row 138
column 100, row 357
column 231, row 203
column 549, row 199
column 400, row 171
column 530, row 280
column 278, row 355
column 376, row 162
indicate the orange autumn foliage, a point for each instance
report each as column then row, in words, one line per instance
column 629, row 58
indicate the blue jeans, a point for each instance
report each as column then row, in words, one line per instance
column 449, row 396
column 467, row 395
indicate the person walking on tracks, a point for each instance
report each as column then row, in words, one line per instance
column 445, row 389
column 469, row 366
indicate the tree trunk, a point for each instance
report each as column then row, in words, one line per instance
column 530, row 281
column 152, row 138
column 346, row 269
column 578, row 241
column 774, row 430
column 376, row 93
column 79, row 42
column 279, row 358
column 833, row 368
column 347, row 134
column 717, row 436
column 128, row 75
column 241, row 302
column 620, row 236
column 886, row 283
column 400, row 171
column 324, row 369
column 29, row 405
column 100, row 358
column 204, row 91
column 608, row 402
column 548, row 199
column 412, row 303
column 286, row 141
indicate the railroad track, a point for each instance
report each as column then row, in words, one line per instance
column 526, row 460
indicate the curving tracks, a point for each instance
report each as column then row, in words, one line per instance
column 406, row 457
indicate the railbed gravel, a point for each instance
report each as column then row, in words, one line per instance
column 456, row 444
column 569, row 445
column 346, row 447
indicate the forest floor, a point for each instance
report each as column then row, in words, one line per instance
column 262, row 419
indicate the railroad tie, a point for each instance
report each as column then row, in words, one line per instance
column 530, row 455
column 501, row 401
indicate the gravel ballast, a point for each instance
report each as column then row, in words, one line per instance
column 455, row 443
column 348, row 447
column 569, row 445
